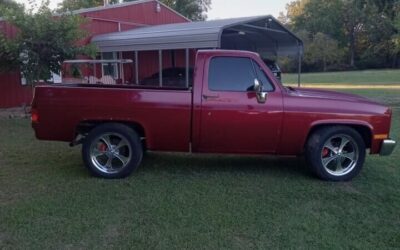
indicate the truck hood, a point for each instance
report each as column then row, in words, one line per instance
column 325, row 94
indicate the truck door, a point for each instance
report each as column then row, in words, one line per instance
column 232, row 120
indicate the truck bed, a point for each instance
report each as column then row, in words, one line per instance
column 165, row 113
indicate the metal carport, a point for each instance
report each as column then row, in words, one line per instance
column 264, row 35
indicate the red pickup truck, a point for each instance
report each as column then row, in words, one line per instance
column 235, row 106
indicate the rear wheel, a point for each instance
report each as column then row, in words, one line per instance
column 112, row 151
column 336, row 153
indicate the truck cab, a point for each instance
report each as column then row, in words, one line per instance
column 229, row 114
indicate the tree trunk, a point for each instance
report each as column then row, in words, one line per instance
column 352, row 48
column 395, row 59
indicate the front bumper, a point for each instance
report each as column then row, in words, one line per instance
column 387, row 147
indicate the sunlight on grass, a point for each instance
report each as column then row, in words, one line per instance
column 347, row 77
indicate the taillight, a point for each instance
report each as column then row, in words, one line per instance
column 388, row 111
column 34, row 115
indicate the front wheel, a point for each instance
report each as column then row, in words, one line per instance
column 336, row 153
column 112, row 151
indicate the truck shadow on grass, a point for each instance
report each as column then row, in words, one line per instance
column 184, row 164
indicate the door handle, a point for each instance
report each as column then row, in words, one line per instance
column 206, row 97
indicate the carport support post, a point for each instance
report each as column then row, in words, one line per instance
column 299, row 66
column 161, row 67
column 137, row 67
column 121, row 68
column 187, row 68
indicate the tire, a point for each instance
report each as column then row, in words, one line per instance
column 112, row 151
column 336, row 153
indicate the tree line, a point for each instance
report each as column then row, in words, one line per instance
column 345, row 34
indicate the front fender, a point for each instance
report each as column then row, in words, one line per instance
column 341, row 122
column 365, row 129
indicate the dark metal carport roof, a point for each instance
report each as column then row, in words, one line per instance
column 263, row 34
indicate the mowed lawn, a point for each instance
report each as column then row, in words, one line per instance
column 49, row 201
column 375, row 77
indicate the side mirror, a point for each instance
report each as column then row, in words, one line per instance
column 257, row 85
column 261, row 95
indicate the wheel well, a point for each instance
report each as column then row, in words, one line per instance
column 364, row 131
column 85, row 127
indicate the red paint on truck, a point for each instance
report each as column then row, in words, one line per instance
column 207, row 121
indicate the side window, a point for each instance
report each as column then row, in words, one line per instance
column 262, row 77
column 231, row 74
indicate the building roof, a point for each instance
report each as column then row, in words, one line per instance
column 110, row 6
column 263, row 34
column 126, row 4
column 119, row 5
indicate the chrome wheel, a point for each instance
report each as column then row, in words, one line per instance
column 339, row 155
column 110, row 153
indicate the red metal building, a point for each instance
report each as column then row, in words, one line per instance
column 103, row 20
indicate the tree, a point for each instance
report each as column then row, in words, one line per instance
column 321, row 53
column 42, row 43
column 8, row 4
column 339, row 19
column 317, row 16
column 382, row 27
column 193, row 9
column 8, row 49
column 353, row 19
column 367, row 31
column 323, row 50
column 293, row 10
column 396, row 36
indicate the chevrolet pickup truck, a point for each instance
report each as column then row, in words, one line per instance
column 234, row 106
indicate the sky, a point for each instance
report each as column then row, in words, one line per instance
column 226, row 8
column 53, row 3
column 243, row 8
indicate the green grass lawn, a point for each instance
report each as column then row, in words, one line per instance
column 355, row 77
column 49, row 201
